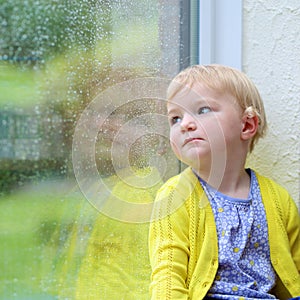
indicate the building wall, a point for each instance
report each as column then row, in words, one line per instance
column 271, row 48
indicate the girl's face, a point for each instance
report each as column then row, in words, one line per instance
column 204, row 125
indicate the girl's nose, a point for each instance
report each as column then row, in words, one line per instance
column 188, row 123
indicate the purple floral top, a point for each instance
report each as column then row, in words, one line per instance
column 245, row 270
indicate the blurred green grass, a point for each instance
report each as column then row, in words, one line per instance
column 55, row 245
column 29, row 220
column 18, row 86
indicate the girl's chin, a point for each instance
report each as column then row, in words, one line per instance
column 197, row 163
column 196, row 157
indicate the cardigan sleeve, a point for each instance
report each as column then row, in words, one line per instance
column 169, row 247
column 293, row 231
column 284, row 237
column 291, row 271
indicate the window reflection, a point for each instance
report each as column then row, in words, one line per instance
column 56, row 57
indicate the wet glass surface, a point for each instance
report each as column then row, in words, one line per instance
column 81, row 131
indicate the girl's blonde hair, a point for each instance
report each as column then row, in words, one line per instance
column 224, row 79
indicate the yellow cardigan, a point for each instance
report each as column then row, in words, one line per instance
column 183, row 244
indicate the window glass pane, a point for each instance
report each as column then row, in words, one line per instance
column 83, row 142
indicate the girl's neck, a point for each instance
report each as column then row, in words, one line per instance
column 233, row 183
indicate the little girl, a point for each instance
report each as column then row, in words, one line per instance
column 220, row 230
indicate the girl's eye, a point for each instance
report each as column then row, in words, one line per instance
column 175, row 120
column 204, row 110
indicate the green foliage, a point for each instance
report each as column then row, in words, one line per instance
column 17, row 173
column 33, row 30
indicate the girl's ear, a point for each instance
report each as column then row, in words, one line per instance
column 249, row 125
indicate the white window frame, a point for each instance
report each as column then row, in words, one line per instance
column 220, row 32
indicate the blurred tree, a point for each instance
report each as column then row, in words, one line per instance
column 34, row 30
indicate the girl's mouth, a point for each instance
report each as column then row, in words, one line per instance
column 191, row 140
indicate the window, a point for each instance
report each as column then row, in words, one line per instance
column 63, row 63
column 220, row 32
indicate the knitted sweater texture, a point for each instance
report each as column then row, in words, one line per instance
column 183, row 243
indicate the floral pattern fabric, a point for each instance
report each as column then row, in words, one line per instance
column 245, row 270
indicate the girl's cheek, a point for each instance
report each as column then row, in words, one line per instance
column 175, row 149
